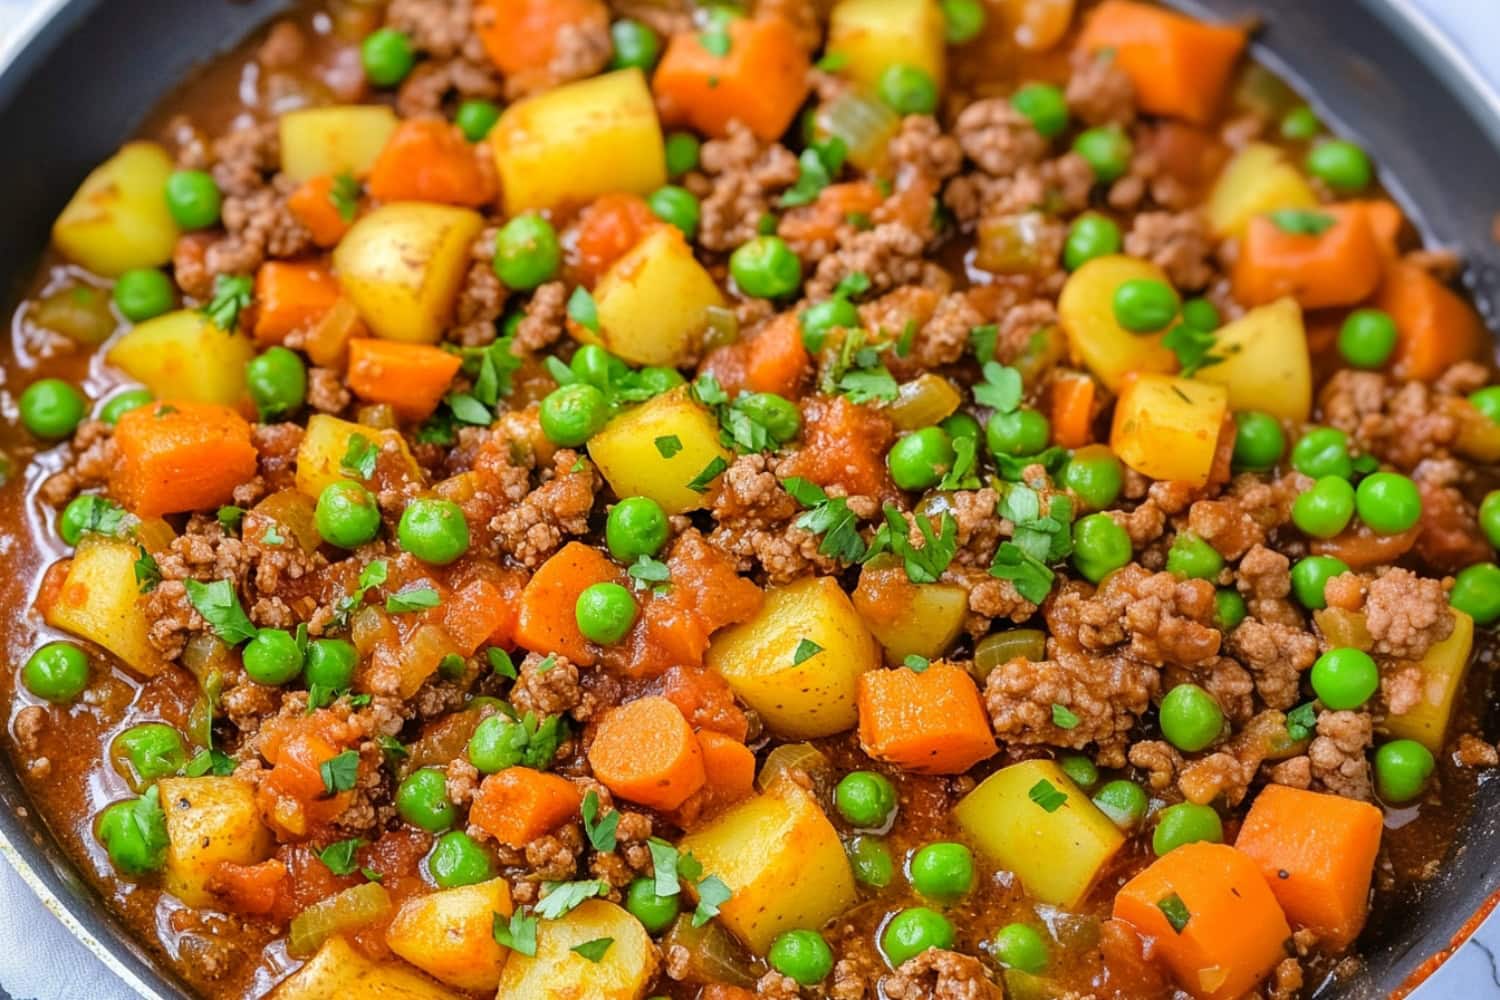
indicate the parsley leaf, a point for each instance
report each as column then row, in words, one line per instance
column 99, row 515
column 219, row 605
column 806, row 650
column 916, row 664
column 982, row 341
column 820, row 164
column 1192, row 347
column 1031, row 577
column 339, row 856
column 1302, row 722
column 147, row 572
column 466, row 409
column 668, row 445
column 542, row 740
column 230, row 518
column 359, row 457
column 715, row 36
column 856, row 371
column 339, row 773
column 497, row 363
column 664, row 863
column 271, row 536
column 344, row 196
column 703, row 480
column 646, row 570
column 561, row 898
column 925, row 564
column 232, row 294
column 1047, row 795
column 1301, row 221
column 1001, row 389
column 501, row 662
column 712, row 892
column 412, row 599
column 583, row 310
column 1064, row 717
column 964, row 475
column 518, row 933
column 829, row 517
column 601, row 832
column 209, row 762
column 867, row 385
column 1175, row 910
column 391, row 748
column 151, row 824
column 593, row 950
column 852, row 285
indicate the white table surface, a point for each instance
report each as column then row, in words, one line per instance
column 39, row 960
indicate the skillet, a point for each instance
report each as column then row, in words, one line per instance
column 1375, row 68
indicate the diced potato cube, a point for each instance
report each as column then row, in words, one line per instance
column 1265, row 366
column 557, row 972
column 783, row 863
column 920, row 619
column 1086, row 310
column 326, row 442
column 98, row 602
column 1258, row 180
column 209, row 820
column 877, row 34
column 344, row 139
column 656, row 449
column 1168, row 428
column 339, row 971
column 758, row 658
column 402, row 266
column 118, row 219
column 1443, row 671
column 449, row 934
column 184, row 356
column 573, row 143
column 653, row 302
column 1030, row 819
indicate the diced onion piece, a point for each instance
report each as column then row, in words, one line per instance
column 792, row 757
column 1015, row 244
column 723, row 327
column 864, row 123
column 342, row 912
column 1002, row 647
column 712, row 955
column 923, row 401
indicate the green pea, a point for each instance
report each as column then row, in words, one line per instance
column 837, row 313
column 85, row 513
column 913, row 931
column 1090, row 236
column 1325, row 508
column 1201, row 314
column 58, row 672
column 1476, row 592
column 1402, row 768
column 272, row 657
column 1020, row 432
column 961, row 425
column 51, row 408
column 1124, row 802
column 803, row 955
column 1191, row 558
column 865, row 799
column 1145, row 305
column 347, row 514
column 1300, row 124
column 330, row 664
column 920, row 459
column 676, row 206
column 871, row 861
column 595, row 366
column 134, row 832
column 656, row 380
column 277, row 380
column 682, row 153
column 605, row 612
column 387, row 57
column 422, row 800
column 1311, row 575
column 457, row 860
column 1388, row 502
column 777, row 414
column 1341, row 165
column 1100, row 546
column 636, row 46
column 1079, row 769
column 1345, row 678
column 635, row 527
column 909, row 90
column 122, row 403
column 1259, row 441
column 1487, row 401
column 571, row 414
column 1045, row 105
column 1229, row 609
column 1094, row 475
column 1368, row 338
column 193, row 199
column 1489, row 517
column 143, row 293
column 1323, row 451
column 154, row 750
column 765, row 268
column 1107, row 150
column 1018, row 946
column 943, row 871
column 1190, row 718
column 475, row 117
column 655, row 913
column 1186, row 823
column 498, row 742
column 963, row 20
column 433, row 530
column 527, row 252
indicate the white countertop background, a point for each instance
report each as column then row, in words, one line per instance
column 39, row 960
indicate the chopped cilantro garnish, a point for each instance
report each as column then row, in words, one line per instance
column 518, row 933
column 829, row 517
column 359, row 457
column 339, row 856
column 600, row 831
column 583, row 310
column 219, row 605
column 232, row 294
column 412, row 599
column 1064, row 717
column 339, row 773
column 806, row 650
column 1047, row 795
column 344, row 196
column 1175, row 910
column 1301, row 221
column 1001, row 389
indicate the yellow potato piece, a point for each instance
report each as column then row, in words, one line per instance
column 1168, row 428
column 656, row 449
column 344, row 139
column 1086, row 311
column 782, row 860
column 118, row 218
column 876, row 34
column 1258, row 180
column 98, row 601
column 1266, row 365
column 325, row 443
column 575, row 142
column 757, row 658
column 182, row 355
column 341, row 972
column 1443, row 671
column 653, row 302
column 909, row 619
column 449, row 934
column 402, row 266
column 558, row 973
column 209, row 820
column 1056, row 848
